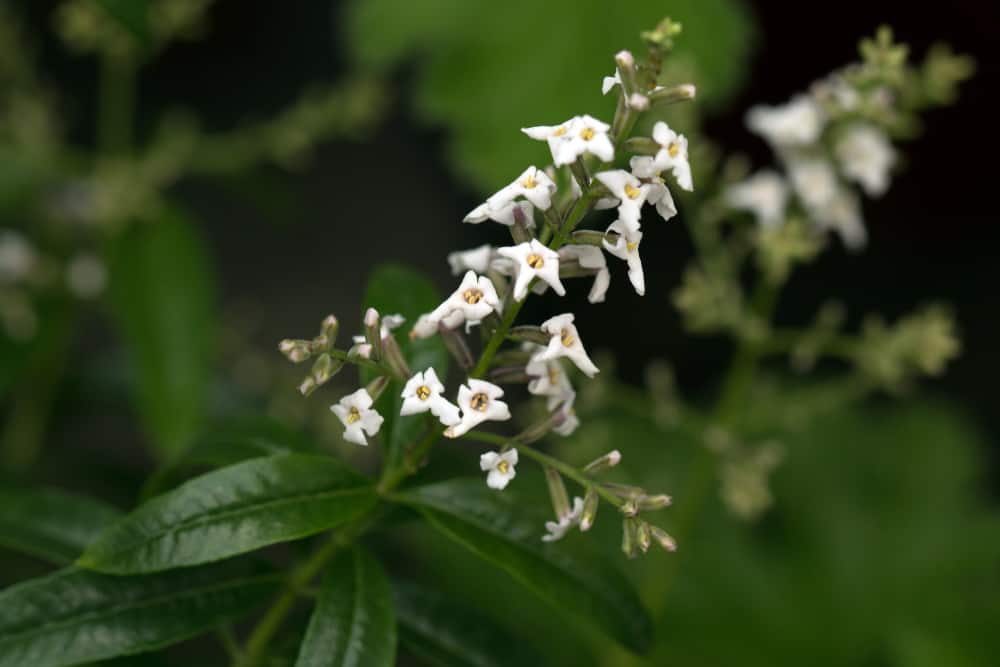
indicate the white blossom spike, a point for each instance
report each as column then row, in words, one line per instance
column 355, row 413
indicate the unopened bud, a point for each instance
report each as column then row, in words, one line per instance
column 642, row 146
column 681, row 93
column 590, row 502
column 663, row 539
column 624, row 59
column 329, row 328
column 656, row 502
column 394, row 355
column 624, row 490
column 643, row 536
column 587, row 237
column 629, row 541
column 325, row 368
column 308, row 386
column 638, row 102
column 377, row 386
column 539, row 430
column 609, row 460
column 296, row 351
column 557, row 492
column 529, row 333
column 360, row 351
column 373, row 332
column 371, row 318
column 455, row 343
column 630, row 507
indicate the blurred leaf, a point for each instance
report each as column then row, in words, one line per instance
column 51, row 524
column 393, row 288
column 133, row 15
column 162, row 290
column 488, row 68
column 445, row 632
column 231, row 511
column 354, row 624
column 74, row 616
column 491, row 526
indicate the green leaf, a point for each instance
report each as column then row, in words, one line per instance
column 74, row 616
column 485, row 69
column 393, row 288
column 492, row 527
column 444, row 632
column 354, row 624
column 231, row 511
column 162, row 292
column 133, row 15
column 51, row 524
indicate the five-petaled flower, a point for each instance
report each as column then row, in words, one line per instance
column 796, row 123
column 626, row 246
column 354, row 411
column 765, row 194
column 565, row 342
column 673, row 154
column 474, row 299
column 533, row 184
column 500, row 468
column 866, row 157
column 479, row 402
column 422, row 393
column 558, row 529
column 533, row 260
column 579, row 135
column 629, row 191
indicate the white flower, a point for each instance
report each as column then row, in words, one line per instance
column 659, row 195
column 610, row 82
column 533, row 184
column 814, row 181
column 17, row 257
column 549, row 379
column 500, row 468
column 425, row 327
column 475, row 259
column 591, row 258
column 797, row 123
column 565, row 342
column 558, row 529
column 627, row 247
column 354, row 411
column 570, row 421
column 86, row 276
column 842, row 214
column 505, row 214
column 765, row 194
column 570, row 140
column 866, row 156
column 474, row 299
column 533, row 260
column 388, row 325
column 422, row 393
column 673, row 155
column 830, row 205
column 478, row 402
column 629, row 191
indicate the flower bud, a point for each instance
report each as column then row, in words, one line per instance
column 394, row 355
column 630, row 507
column 656, row 502
column 643, row 536
column 529, row 333
column 539, row 430
column 638, row 101
column 325, row 368
column 377, row 386
column 308, row 386
column 588, row 237
column 455, row 343
column 557, row 492
column 624, row 490
column 609, row 460
column 672, row 94
column 329, row 328
column 360, row 351
column 590, row 502
column 296, row 351
column 626, row 72
column 663, row 539
column 373, row 332
column 642, row 146
column 629, row 541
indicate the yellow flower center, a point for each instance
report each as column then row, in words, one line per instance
column 503, row 466
column 529, row 182
column 631, row 191
column 353, row 416
column 472, row 296
column 674, row 149
column 567, row 338
column 631, row 245
column 479, row 402
column 587, row 133
column 423, row 392
column 535, row 261
column 561, row 131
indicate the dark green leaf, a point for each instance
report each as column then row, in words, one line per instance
column 489, row 525
column 133, row 15
column 353, row 624
column 396, row 289
column 444, row 632
column 162, row 290
column 51, row 524
column 75, row 616
column 231, row 511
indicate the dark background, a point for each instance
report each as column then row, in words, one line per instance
column 933, row 237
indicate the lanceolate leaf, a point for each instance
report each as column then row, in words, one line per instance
column 74, row 616
column 51, row 524
column 396, row 289
column 353, row 624
column 490, row 526
column 445, row 632
column 232, row 511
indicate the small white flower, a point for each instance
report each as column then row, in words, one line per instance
column 500, row 468
column 842, row 214
column 659, row 195
column 17, row 256
column 629, row 191
column 765, row 194
column 474, row 299
column 354, row 411
column 388, row 325
column 506, row 214
column 425, row 327
column 591, row 258
column 422, row 393
column 565, row 342
column 533, row 184
column 86, row 276
column 570, row 140
column 797, row 123
column 533, row 260
column 475, row 259
column 479, row 402
column 673, row 155
column 558, row 529
column 570, row 421
column 548, row 379
column 610, row 82
column 627, row 247
column 814, row 181
column 866, row 156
